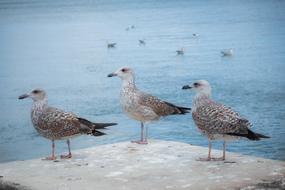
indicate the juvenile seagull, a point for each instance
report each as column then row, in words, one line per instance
column 217, row 121
column 227, row 52
column 180, row 51
column 141, row 106
column 56, row 124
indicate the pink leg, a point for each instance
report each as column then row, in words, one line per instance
column 209, row 153
column 52, row 157
column 69, row 155
column 224, row 153
column 142, row 140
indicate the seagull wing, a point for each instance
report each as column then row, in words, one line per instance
column 218, row 119
column 161, row 108
column 60, row 124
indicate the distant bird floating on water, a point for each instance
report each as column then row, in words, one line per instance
column 142, row 42
column 141, row 106
column 130, row 27
column 180, row 52
column 195, row 35
column 55, row 124
column 227, row 52
column 111, row 45
column 217, row 121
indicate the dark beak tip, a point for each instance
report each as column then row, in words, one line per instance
column 186, row 87
column 23, row 96
column 111, row 75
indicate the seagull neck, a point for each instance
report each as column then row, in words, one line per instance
column 200, row 99
column 129, row 83
column 40, row 104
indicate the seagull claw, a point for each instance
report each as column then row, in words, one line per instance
column 50, row 158
column 67, row 156
column 139, row 142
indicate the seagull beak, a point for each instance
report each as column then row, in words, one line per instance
column 185, row 87
column 112, row 75
column 23, row 96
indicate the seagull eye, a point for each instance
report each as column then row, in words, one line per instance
column 36, row 91
column 124, row 70
column 196, row 84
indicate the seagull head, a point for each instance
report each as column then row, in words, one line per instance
column 200, row 86
column 36, row 95
column 125, row 73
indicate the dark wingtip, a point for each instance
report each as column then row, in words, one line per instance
column 97, row 133
column 103, row 125
column 250, row 135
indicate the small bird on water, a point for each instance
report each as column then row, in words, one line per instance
column 217, row 121
column 111, row 45
column 180, row 51
column 227, row 52
column 142, row 42
column 141, row 106
column 56, row 124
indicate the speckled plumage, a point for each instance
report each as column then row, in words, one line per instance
column 145, row 107
column 56, row 124
column 142, row 106
column 217, row 121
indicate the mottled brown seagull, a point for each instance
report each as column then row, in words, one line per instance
column 55, row 124
column 141, row 106
column 217, row 121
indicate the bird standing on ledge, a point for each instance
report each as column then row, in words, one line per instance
column 217, row 121
column 56, row 124
column 141, row 106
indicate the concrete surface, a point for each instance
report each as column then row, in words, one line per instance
column 158, row 165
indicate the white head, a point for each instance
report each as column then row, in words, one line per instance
column 36, row 95
column 202, row 87
column 125, row 73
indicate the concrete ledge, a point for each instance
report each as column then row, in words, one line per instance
column 158, row 165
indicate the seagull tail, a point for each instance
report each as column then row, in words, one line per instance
column 179, row 109
column 95, row 126
column 183, row 110
column 255, row 136
column 250, row 135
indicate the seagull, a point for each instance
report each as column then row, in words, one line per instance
column 180, row 52
column 142, row 42
column 227, row 52
column 111, row 45
column 56, row 124
column 141, row 106
column 217, row 121
column 195, row 35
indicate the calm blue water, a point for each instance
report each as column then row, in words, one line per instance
column 61, row 47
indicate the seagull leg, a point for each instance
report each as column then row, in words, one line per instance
column 146, row 133
column 224, row 153
column 52, row 157
column 142, row 140
column 224, row 150
column 69, row 155
column 209, row 153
